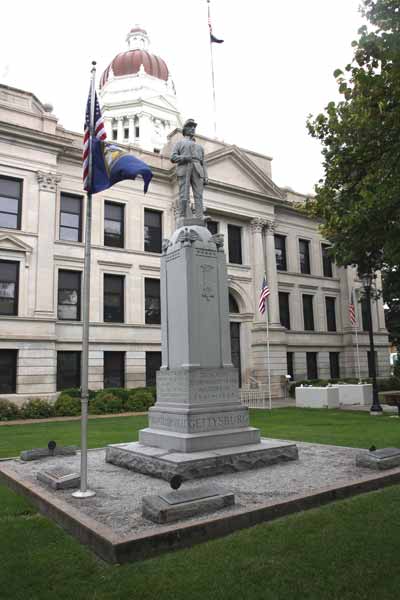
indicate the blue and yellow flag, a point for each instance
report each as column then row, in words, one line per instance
column 111, row 164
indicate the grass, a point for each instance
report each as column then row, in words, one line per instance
column 345, row 551
column 342, row 428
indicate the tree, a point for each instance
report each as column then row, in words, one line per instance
column 391, row 296
column 358, row 199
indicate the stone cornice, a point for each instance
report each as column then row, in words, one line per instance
column 34, row 136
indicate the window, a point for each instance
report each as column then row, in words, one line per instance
column 233, row 305
column 114, row 298
column 364, row 314
column 68, row 370
column 137, row 128
column 152, row 301
column 9, row 276
column 312, row 367
column 304, row 249
column 284, row 309
column 114, row 369
column 235, row 244
column 114, row 224
column 152, row 231
column 8, row 371
column 126, row 133
column 326, row 261
column 69, row 295
column 290, row 364
column 115, row 135
column 330, row 313
column 212, row 226
column 280, row 252
column 153, row 364
column 308, row 312
column 370, row 369
column 334, row 365
column 10, row 202
column 71, row 218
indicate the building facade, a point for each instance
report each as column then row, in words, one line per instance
column 42, row 224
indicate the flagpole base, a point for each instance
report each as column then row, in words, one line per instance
column 87, row 494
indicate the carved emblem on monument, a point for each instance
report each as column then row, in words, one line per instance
column 207, row 291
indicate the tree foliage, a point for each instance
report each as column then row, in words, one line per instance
column 358, row 198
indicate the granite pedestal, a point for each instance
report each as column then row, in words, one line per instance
column 198, row 426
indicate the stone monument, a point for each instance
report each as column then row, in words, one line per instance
column 198, row 425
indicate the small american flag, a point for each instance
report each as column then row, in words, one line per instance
column 263, row 295
column 99, row 133
column 352, row 310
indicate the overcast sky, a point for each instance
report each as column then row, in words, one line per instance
column 274, row 68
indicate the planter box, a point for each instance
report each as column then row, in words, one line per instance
column 317, row 397
column 355, row 394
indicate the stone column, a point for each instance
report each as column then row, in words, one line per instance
column 131, row 130
column 272, row 276
column 120, row 137
column 44, row 302
column 257, row 226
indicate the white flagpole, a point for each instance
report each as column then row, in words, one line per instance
column 83, row 492
column 212, row 70
column 269, row 363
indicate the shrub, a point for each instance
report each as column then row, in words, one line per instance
column 104, row 403
column 139, row 399
column 76, row 393
column 387, row 385
column 71, row 393
column 35, row 408
column 8, row 410
column 121, row 393
column 67, row 406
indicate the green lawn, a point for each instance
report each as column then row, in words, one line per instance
column 342, row 428
column 344, row 551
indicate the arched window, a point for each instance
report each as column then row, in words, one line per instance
column 233, row 305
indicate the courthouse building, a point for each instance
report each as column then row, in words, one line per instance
column 42, row 224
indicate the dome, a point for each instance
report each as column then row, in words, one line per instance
column 129, row 63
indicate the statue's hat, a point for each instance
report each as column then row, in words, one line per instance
column 189, row 122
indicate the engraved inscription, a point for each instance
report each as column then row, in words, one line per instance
column 205, row 252
column 207, row 291
column 199, row 423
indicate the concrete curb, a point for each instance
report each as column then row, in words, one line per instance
column 115, row 548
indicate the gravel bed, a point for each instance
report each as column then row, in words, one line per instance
column 119, row 492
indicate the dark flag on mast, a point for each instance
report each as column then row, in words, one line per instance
column 213, row 39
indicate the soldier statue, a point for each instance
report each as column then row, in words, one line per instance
column 191, row 171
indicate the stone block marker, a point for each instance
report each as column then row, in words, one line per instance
column 386, row 458
column 38, row 453
column 59, row 478
column 176, row 505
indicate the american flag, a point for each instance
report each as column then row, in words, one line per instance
column 99, row 133
column 352, row 310
column 263, row 295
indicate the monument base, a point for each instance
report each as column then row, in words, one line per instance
column 160, row 463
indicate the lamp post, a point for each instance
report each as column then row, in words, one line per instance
column 367, row 281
